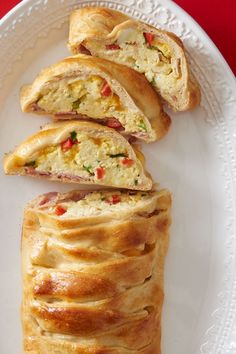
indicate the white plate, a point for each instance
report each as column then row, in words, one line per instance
column 196, row 161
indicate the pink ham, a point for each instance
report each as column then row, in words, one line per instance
column 139, row 135
column 77, row 196
column 84, row 50
column 35, row 107
column 63, row 114
column 48, row 197
column 69, row 177
column 29, row 170
column 114, row 123
column 32, row 171
column 74, row 196
column 132, row 139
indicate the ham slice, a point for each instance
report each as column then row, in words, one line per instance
column 33, row 172
column 35, row 107
column 114, row 123
column 84, row 50
column 74, row 196
column 47, row 197
column 52, row 198
column 63, row 114
column 140, row 135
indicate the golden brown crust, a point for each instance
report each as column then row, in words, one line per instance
column 104, row 25
column 89, row 18
column 58, row 346
column 133, row 89
column 110, row 305
column 53, row 135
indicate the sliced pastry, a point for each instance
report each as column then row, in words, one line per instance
column 83, row 87
column 159, row 54
column 93, row 265
column 80, row 152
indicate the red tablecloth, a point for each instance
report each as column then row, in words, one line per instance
column 216, row 17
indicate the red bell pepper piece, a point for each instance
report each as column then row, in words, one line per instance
column 115, row 199
column 127, row 162
column 112, row 46
column 149, row 37
column 100, row 172
column 59, row 210
column 105, row 89
column 67, row 144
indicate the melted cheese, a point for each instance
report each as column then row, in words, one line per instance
column 96, row 203
column 84, row 97
column 85, row 157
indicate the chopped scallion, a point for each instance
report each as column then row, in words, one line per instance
column 142, row 126
column 76, row 104
column 31, row 163
column 118, row 155
column 88, row 169
column 73, row 136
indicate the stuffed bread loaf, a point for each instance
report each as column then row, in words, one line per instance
column 83, row 87
column 158, row 54
column 93, row 273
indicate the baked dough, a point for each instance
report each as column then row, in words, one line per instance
column 93, row 276
column 80, row 152
column 159, row 54
column 83, row 87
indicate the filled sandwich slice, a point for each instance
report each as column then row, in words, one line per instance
column 158, row 54
column 80, row 152
column 87, row 208
column 88, row 88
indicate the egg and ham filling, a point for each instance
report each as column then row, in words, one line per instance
column 95, row 203
column 143, row 52
column 91, row 97
column 89, row 158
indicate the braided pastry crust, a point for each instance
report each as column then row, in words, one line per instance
column 93, row 276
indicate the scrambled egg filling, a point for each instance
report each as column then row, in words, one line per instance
column 92, row 98
column 153, row 57
column 96, row 203
column 94, row 159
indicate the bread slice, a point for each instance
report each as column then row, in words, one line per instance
column 80, row 152
column 159, row 54
column 92, row 88
column 93, row 272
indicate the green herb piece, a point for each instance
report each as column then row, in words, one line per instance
column 73, row 136
column 76, row 104
column 153, row 47
column 118, row 155
column 103, row 198
column 153, row 82
column 88, row 169
column 142, row 126
column 135, row 182
column 31, row 163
